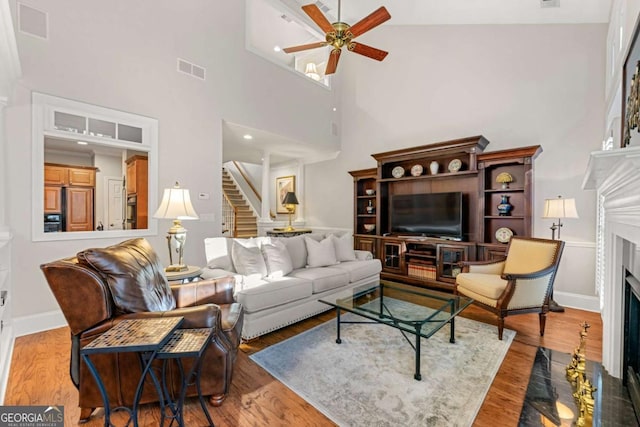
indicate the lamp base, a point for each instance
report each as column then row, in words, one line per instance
column 173, row 268
column 555, row 307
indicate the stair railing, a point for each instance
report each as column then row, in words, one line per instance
column 229, row 214
column 244, row 176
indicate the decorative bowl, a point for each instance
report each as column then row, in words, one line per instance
column 370, row 192
column 369, row 227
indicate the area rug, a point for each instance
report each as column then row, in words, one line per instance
column 368, row 379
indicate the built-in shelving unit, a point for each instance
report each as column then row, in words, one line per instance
column 463, row 167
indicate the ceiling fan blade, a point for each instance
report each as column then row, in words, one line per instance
column 368, row 51
column 370, row 21
column 316, row 15
column 333, row 61
column 304, row 47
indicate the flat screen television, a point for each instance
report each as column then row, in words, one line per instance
column 429, row 214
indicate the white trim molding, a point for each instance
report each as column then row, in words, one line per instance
column 614, row 174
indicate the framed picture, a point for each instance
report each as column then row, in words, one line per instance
column 284, row 184
column 631, row 94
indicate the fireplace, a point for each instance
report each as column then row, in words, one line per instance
column 631, row 357
column 615, row 174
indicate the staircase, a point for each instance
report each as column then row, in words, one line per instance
column 239, row 220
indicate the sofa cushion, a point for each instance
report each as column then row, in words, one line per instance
column 277, row 259
column 218, row 253
column 320, row 254
column 248, row 261
column 358, row 270
column 134, row 275
column 344, row 247
column 323, row 278
column 269, row 294
column 298, row 248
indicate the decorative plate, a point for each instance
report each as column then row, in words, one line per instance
column 397, row 172
column 416, row 170
column 503, row 234
column 455, row 165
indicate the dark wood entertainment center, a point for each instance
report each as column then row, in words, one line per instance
column 462, row 167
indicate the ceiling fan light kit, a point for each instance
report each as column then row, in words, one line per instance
column 340, row 34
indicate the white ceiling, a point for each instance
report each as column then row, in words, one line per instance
column 269, row 24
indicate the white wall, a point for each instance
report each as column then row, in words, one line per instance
column 516, row 85
column 122, row 55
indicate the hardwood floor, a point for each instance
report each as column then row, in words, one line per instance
column 40, row 366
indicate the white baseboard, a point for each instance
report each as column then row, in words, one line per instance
column 6, row 362
column 582, row 302
column 38, row 322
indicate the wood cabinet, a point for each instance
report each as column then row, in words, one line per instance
column 52, row 199
column 55, row 175
column 137, row 192
column 69, row 191
column 79, row 209
column 82, row 177
column 459, row 166
column 518, row 164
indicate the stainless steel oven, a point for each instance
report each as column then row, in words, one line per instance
column 52, row 223
column 132, row 202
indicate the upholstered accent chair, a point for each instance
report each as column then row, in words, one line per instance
column 519, row 283
column 99, row 287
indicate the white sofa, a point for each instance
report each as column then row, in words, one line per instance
column 279, row 280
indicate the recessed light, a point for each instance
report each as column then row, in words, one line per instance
column 83, row 143
column 277, row 48
column 335, row 109
column 247, row 136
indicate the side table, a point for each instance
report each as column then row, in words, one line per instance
column 183, row 343
column 144, row 336
column 284, row 233
column 191, row 274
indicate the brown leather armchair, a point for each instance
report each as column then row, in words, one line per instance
column 102, row 286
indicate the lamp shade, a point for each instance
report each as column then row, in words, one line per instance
column 560, row 208
column 176, row 204
column 312, row 71
column 290, row 199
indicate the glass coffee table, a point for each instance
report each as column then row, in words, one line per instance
column 416, row 311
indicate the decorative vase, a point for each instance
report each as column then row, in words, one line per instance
column 504, row 208
column 433, row 167
column 370, row 207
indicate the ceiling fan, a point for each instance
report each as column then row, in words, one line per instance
column 340, row 34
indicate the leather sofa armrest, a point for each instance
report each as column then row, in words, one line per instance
column 211, row 291
column 202, row 316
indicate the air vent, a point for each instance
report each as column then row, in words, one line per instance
column 323, row 7
column 33, row 22
column 549, row 3
column 286, row 18
column 192, row 69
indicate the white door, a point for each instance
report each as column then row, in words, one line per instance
column 114, row 204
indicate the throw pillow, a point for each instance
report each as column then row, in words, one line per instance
column 248, row 260
column 344, row 248
column 277, row 259
column 320, row 254
column 134, row 275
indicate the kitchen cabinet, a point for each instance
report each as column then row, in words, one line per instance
column 52, row 199
column 79, row 209
column 137, row 192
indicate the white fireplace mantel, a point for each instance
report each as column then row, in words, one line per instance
column 615, row 175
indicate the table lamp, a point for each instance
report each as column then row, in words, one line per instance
column 558, row 208
column 289, row 202
column 176, row 205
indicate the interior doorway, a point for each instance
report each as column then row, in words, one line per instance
column 114, row 203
